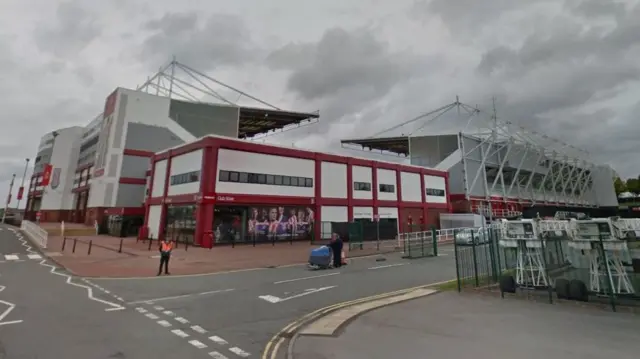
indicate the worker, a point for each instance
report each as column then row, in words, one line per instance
column 165, row 254
column 336, row 248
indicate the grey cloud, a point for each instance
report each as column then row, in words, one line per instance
column 221, row 40
column 73, row 30
column 596, row 8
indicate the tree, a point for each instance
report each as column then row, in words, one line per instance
column 620, row 186
column 633, row 186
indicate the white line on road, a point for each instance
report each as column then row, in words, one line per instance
column 114, row 309
column 182, row 320
column 164, row 323
column 10, row 308
column 216, row 339
column 216, row 355
column 198, row 344
column 273, row 299
column 169, row 313
column 389, row 266
column 270, row 298
column 157, row 307
column 34, row 256
column 305, row 278
column 11, row 322
column 11, row 257
column 152, row 316
column 180, row 333
column 141, row 310
column 151, row 301
column 239, row 352
column 199, row 329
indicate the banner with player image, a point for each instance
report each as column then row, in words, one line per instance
column 279, row 222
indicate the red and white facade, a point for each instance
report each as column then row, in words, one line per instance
column 334, row 188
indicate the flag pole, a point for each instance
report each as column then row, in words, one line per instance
column 6, row 206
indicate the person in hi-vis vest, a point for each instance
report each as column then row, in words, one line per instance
column 165, row 254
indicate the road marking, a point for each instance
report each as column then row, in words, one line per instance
column 216, row 339
column 273, row 299
column 197, row 328
column 114, row 309
column 182, row 320
column 216, row 355
column 169, row 313
column 305, row 278
column 11, row 257
column 180, row 333
column 152, row 316
column 389, row 266
column 34, row 256
column 164, row 323
column 6, row 312
column 198, row 344
column 157, row 307
column 141, row 310
column 239, row 352
column 151, row 301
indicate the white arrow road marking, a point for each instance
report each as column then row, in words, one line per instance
column 7, row 311
column 273, row 299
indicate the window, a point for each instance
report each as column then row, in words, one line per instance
column 387, row 188
column 183, row 178
column 268, row 179
column 435, row 192
column 361, row 186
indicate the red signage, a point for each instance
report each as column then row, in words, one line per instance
column 20, row 193
column 46, row 175
column 110, row 104
column 376, row 217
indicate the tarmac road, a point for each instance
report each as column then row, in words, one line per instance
column 222, row 316
column 244, row 309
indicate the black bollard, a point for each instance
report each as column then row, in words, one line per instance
column 75, row 241
column 90, row 245
column 64, row 243
column 120, row 247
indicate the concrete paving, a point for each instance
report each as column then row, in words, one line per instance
column 452, row 325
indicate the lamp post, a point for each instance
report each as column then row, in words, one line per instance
column 21, row 190
column 6, row 206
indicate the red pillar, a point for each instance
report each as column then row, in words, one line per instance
column 425, row 208
column 399, row 198
column 204, row 208
column 374, row 185
column 349, row 191
column 317, row 214
column 145, row 231
column 165, row 193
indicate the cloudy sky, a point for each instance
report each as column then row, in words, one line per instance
column 566, row 67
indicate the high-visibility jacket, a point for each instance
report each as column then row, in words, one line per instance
column 166, row 247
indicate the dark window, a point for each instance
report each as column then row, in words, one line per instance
column 361, row 186
column 387, row 188
column 88, row 144
column 435, row 192
column 189, row 177
column 268, row 179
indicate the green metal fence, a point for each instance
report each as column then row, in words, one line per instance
column 553, row 268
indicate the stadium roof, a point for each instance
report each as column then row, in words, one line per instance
column 397, row 145
column 256, row 121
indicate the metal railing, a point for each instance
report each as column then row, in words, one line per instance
column 35, row 232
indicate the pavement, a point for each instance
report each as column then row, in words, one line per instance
column 451, row 325
column 223, row 315
column 106, row 256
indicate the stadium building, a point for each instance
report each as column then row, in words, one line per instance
column 235, row 190
column 82, row 174
column 499, row 169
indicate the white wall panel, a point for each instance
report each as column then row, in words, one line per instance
column 435, row 182
column 231, row 160
column 363, row 212
column 154, row 221
column 64, row 159
column 411, row 191
column 159, row 174
column 388, row 212
column 387, row 177
column 185, row 163
column 334, row 180
column 334, row 214
column 362, row 174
